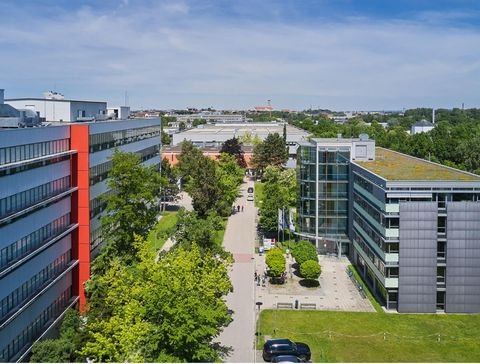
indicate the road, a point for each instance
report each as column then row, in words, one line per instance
column 240, row 241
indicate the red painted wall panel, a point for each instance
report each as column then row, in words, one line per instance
column 80, row 208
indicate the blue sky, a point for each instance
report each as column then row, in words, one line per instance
column 337, row 54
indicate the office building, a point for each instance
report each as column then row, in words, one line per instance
column 411, row 227
column 13, row 118
column 51, row 180
column 54, row 107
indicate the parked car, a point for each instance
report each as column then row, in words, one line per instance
column 277, row 347
column 250, row 197
column 286, row 359
column 250, row 189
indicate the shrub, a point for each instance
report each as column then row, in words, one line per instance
column 304, row 251
column 310, row 269
column 275, row 262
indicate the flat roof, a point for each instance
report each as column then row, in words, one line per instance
column 394, row 166
column 51, row 100
column 258, row 128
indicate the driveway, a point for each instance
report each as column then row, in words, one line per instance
column 240, row 241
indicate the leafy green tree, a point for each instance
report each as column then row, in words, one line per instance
column 171, row 311
column 303, row 251
column 229, row 176
column 166, row 139
column 274, row 199
column 188, row 160
column 204, row 187
column 275, row 261
column 182, row 126
column 271, row 152
column 234, row 147
column 130, row 209
column 170, row 174
column 191, row 229
column 64, row 348
column 310, row 269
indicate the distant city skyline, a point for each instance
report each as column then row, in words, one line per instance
column 338, row 55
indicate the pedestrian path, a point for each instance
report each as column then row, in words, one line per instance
column 240, row 241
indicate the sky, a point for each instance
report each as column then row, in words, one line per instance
column 237, row 54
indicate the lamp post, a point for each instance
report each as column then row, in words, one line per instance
column 258, row 303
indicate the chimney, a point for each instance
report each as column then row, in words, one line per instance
column 2, row 93
column 433, row 116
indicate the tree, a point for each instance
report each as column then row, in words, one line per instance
column 272, row 151
column 275, row 262
column 229, row 176
column 64, row 348
column 182, row 126
column 188, row 160
column 171, row 310
column 303, row 251
column 310, row 269
column 191, row 229
column 274, row 199
column 130, row 209
column 166, row 139
column 170, row 174
column 203, row 186
column 234, row 147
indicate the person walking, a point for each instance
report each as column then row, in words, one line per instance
column 242, row 208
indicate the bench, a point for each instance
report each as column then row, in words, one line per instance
column 284, row 305
column 308, row 306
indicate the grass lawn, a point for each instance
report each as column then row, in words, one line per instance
column 258, row 193
column 359, row 336
column 162, row 231
column 218, row 240
column 372, row 300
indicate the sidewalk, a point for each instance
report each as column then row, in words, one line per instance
column 240, row 241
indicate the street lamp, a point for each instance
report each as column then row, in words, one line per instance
column 258, row 303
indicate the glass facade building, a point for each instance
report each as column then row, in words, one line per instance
column 412, row 227
column 51, row 183
column 37, row 263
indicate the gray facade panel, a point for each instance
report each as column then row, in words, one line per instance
column 22, row 227
column 23, row 273
column 104, row 155
column 16, row 137
column 417, row 257
column 18, row 182
column 13, row 329
column 463, row 257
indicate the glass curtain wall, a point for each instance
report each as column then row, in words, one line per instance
column 323, row 181
column 333, row 170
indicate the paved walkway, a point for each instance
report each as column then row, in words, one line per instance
column 335, row 293
column 240, row 241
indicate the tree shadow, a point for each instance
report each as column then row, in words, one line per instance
column 309, row 283
column 223, row 351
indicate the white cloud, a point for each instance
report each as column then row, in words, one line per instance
column 168, row 56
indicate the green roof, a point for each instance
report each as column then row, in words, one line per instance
column 394, row 166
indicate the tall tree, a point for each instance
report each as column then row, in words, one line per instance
column 130, row 208
column 271, row 152
column 234, row 147
column 188, row 159
column 203, row 186
column 229, row 175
